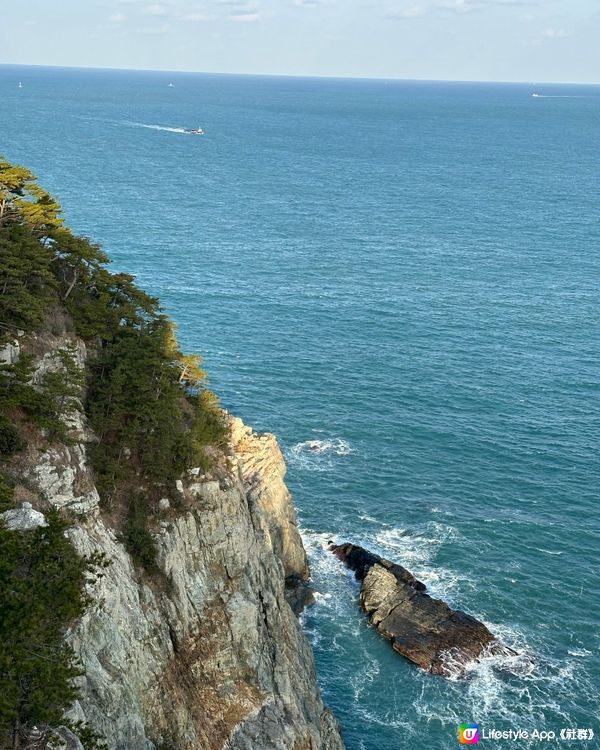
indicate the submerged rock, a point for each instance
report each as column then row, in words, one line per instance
column 424, row 630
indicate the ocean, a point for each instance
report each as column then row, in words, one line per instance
column 401, row 281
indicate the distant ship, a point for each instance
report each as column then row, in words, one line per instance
column 171, row 85
column 194, row 131
column 536, row 96
column 20, row 86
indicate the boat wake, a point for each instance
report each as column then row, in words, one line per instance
column 559, row 96
column 182, row 131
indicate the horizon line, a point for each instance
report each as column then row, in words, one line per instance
column 298, row 75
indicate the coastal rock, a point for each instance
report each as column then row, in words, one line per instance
column 424, row 630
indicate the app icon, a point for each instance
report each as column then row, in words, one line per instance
column 469, row 734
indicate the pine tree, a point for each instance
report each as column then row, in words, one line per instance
column 41, row 585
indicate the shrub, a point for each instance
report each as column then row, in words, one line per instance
column 10, row 439
column 41, row 592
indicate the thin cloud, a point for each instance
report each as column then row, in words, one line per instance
column 312, row 3
column 196, row 17
column 156, row 9
column 162, row 29
column 242, row 12
column 417, row 11
column 452, row 6
column 554, row 33
column 244, row 17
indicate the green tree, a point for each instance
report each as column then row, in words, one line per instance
column 22, row 200
column 41, row 593
column 26, row 281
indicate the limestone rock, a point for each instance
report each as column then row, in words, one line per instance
column 263, row 471
column 9, row 353
column 24, row 518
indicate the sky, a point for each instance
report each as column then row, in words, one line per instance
column 484, row 40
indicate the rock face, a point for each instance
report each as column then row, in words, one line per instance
column 24, row 518
column 209, row 654
column 424, row 630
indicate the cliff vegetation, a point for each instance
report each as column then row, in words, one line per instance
column 148, row 407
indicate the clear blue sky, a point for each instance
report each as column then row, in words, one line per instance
column 508, row 40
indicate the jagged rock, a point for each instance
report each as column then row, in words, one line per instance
column 24, row 518
column 424, row 630
column 62, row 476
column 298, row 594
column 164, row 503
column 263, row 471
column 45, row 737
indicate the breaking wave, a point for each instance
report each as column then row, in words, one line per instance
column 520, row 688
column 317, row 455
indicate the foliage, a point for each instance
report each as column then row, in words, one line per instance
column 146, row 401
column 22, row 200
column 10, row 439
column 47, row 403
column 26, row 281
column 41, row 592
column 134, row 402
column 6, row 494
column 207, row 427
column 136, row 537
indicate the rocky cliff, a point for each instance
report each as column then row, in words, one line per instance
column 207, row 653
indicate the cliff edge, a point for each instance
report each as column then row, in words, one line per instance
column 151, row 562
column 206, row 653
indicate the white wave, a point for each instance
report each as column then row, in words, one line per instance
column 335, row 445
column 580, row 652
column 416, row 549
column 317, row 455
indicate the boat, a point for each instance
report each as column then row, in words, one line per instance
column 171, row 85
column 20, row 86
column 194, row 131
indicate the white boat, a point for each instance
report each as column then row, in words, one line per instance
column 194, row 131
column 171, row 85
column 20, row 86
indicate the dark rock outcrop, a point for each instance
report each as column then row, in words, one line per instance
column 424, row 630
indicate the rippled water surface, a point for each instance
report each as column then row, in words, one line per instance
column 401, row 281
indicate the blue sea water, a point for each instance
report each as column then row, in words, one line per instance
column 409, row 274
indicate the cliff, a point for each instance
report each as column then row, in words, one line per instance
column 206, row 652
